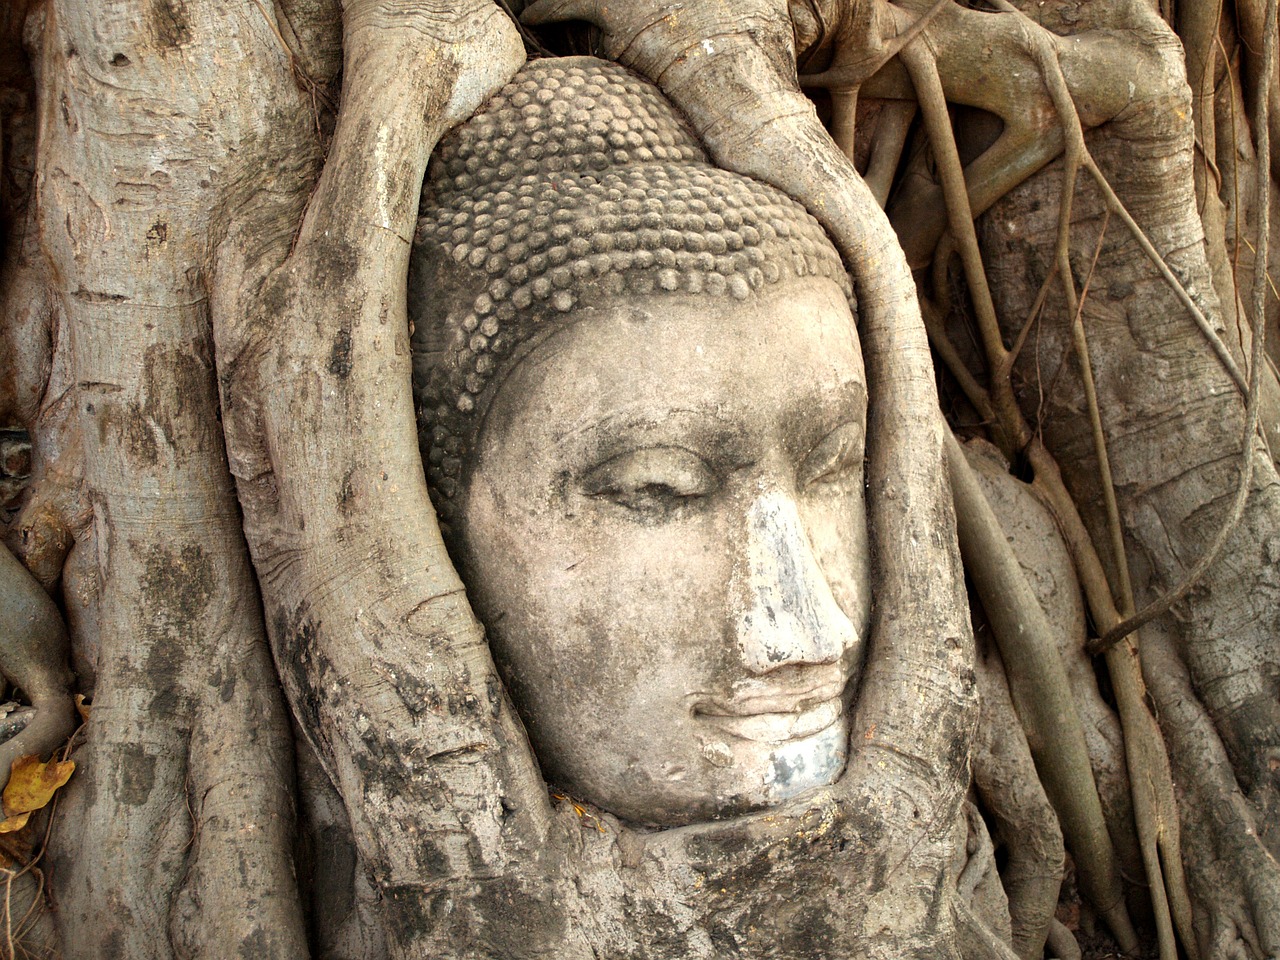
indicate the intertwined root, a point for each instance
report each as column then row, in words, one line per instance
column 1046, row 89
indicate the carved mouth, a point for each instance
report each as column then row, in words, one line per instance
column 792, row 703
column 806, row 719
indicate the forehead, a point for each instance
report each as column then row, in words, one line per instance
column 788, row 353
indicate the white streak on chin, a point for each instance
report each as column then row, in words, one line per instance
column 767, row 774
column 804, row 764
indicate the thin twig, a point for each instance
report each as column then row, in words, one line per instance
column 1075, row 307
column 1155, row 804
column 973, row 391
column 1150, row 777
column 1102, row 887
column 8, row 923
column 922, row 67
column 1105, row 476
column 1215, row 342
column 1235, row 166
column 933, row 108
column 531, row 41
column 1148, row 760
column 1033, row 314
column 30, row 917
column 305, row 82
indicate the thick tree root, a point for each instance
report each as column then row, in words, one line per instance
column 1042, row 694
column 176, row 831
column 344, row 914
column 33, row 656
column 1236, row 879
column 1006, row 780
column 1033, row 534
column 1061, row 943
column 977, row 942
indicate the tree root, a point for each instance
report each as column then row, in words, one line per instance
column 55, row 509
column 1156, row 820
column 978, row 880
column 1033, row 534
column 1042, row 695
column 179, row 834
column 977, row 942
column 891, row 136
column 1004, row 775
column 1139, row 728
column 1061, row 943
column 344, row 913
column 1257, row 367
column 27, row 331
column 1236, row 879
column 33, row 656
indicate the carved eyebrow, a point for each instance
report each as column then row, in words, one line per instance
column 833, row 408
column 708, row 430
column 850, row 392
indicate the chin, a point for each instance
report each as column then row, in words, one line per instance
column 806, row 763
column 764, row 774
column 742, row 777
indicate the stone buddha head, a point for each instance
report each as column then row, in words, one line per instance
column 642, row 410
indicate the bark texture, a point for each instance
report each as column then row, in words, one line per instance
column 143, row 137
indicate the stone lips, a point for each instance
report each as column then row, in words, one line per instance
column 578, row 182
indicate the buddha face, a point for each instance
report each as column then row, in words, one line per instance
column 664, row 533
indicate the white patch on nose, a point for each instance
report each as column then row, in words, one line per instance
column 785, row 609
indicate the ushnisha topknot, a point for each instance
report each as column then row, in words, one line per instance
column 578, row 181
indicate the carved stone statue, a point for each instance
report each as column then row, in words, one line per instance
column 643, row 411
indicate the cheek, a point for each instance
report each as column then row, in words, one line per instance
column 514, row 564
column 636, row 593
column 588, row 585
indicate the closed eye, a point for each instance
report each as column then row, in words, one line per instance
column 838, row 454
column 651, row 481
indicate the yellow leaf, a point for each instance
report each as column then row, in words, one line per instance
column 10, row 824
column 82, row 708
column 32, row 784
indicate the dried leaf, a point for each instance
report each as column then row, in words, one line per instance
column 10, row 824
column 32, row 785
column 83, row 708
